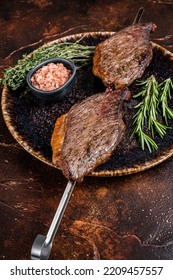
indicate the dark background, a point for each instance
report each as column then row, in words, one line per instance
column 128, row 217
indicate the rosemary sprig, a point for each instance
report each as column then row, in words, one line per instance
column 14, row 77
column 146, row 109
column 145, row 139
column 154, row 100
column 165, row 87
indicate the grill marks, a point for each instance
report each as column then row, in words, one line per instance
column 94, row 128
column 123, row 57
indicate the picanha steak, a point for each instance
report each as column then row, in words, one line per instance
column 123, row 58
column 87, row 135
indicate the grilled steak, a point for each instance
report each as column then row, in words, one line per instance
column 88, row 134
column 123, row 58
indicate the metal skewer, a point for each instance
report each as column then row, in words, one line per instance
column 42, row 245
column 139, row 15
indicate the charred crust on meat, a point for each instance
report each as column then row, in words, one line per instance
column 116, row 58
column 93, row 128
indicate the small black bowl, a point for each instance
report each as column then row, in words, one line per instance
column 56, row 94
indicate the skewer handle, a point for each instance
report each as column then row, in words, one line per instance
column 42, row 245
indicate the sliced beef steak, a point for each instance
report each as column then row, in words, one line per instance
column 88, row 134
column 123, row 58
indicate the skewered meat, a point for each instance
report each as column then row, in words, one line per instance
column 88, row 134
column 123, row 58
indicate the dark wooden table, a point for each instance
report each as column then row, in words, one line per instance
column 128, row 217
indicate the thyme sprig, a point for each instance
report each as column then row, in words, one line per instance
column 154, row 103
column 15, row 77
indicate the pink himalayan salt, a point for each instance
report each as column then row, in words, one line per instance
column 50, row 76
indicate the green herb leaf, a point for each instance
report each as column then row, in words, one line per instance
column 154, row 103
column 15, row 77
column 165, row 87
